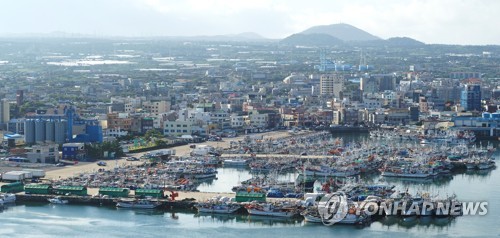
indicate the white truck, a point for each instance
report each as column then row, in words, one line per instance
column 13, row 176
column 37, row 173
column 202, row 150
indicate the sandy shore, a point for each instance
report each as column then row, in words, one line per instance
column 84, row 167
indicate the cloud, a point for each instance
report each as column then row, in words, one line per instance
column 431, row 21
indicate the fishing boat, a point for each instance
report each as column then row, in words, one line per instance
column 57, row 200
column 221, row 208
column 470, row 164
column 137, row 204
column 486, row 164
column 8, row 198
column 273, row 210
column 325, row 171
column 413, row 173
column 201, row 173
column 352, row 218
column 235, row 162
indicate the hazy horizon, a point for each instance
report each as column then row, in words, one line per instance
column 433, row 22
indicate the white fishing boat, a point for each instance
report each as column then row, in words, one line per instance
column 57, row 200
column 272, row 210
column 137, row 204
column 8, row 198
column 324, row 171
column 486, row 164
column 235, row 162
column 412, row 174
column 201, row 173
column 312, row 215
column 224, row 208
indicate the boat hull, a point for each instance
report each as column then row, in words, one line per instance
column 271, row 213
column 404, row 175
column 136, row 206
column 8, row 198
column 228, row 210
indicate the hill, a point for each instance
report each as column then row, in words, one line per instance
column 311, row 40
column 342, row 31
column 403, row 41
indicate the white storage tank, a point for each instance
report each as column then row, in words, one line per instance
column 40, row 131
column 60, row 132
column 50, row 131
column 29, row 131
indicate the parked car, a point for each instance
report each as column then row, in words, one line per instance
column 101, row 163
column 132, row 159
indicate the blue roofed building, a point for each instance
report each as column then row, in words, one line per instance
column 485, row 127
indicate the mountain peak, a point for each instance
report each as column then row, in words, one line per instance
column 342, row 31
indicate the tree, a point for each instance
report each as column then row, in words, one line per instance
column 96, row 151
column 160, row 143
column 153, row 133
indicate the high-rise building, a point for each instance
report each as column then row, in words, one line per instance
column 19, row 97
column 470, row 98
column 385, row 81
column 331, row 84
column 4, row 111
column 368, row 85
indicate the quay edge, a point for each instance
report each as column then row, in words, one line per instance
column 96, row 201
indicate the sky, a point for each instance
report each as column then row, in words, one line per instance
column 465, row 22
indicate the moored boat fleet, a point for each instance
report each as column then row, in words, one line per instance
column 323, row 165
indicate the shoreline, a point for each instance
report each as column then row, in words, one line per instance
column 183, row 150
column 68, row 171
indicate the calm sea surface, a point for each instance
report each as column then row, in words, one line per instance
column 46, row 220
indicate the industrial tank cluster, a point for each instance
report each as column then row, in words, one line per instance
column 45, row 130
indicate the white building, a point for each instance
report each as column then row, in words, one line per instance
column 48, row 153
column 258, row 120
column 115, row 132
column 4, row 111
column 331, row 84
column 238, row 121
column 179, row 127
column 156, row 107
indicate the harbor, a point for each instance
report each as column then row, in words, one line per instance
column 268, row 182
column 75, row 220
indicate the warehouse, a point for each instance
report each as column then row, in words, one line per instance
column 155, row 193
column 72, row 190
column 114, row 192
column 38, row 189
column 12, row 187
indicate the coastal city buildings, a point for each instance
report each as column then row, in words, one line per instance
column 470, row 98
column 219, row 90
